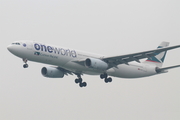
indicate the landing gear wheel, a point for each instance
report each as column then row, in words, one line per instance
column 80, row 81
column 106, row 80
column 80, row 85
column 76, row 81
column 84, row 84
column 109, row 79
column 103, row 76
column 25, row 65
column 25, row 61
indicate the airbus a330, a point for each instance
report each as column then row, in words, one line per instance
column 67, row 61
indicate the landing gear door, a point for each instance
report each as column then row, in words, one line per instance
column 29, row 45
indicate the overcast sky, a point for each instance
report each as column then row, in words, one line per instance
column 108, row 27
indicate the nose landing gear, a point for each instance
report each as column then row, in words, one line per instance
column 25, row 61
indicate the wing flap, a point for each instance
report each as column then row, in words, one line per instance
column 66, row 72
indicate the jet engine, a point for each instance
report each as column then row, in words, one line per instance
column 52, row 72
column 96, row 64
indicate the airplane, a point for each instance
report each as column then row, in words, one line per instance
column 67, row 61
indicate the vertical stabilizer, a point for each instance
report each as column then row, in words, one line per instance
column 158, row 59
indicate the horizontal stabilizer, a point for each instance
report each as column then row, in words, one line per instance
column 163, row 69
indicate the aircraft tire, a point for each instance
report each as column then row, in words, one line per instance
column 80, row 80
column 80, row 85
column 106, row 80
column 109, row 79
column 84, row 84
column 25, row 65
column 76, row 81
column 102, row 76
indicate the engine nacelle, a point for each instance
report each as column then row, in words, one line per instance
column 52, row 72
column 96, row 64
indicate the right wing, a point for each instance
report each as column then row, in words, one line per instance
column 124, row 59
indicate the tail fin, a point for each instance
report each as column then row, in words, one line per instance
column 158, row 59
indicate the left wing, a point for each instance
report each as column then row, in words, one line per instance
column 124, row 59
column 66, row 72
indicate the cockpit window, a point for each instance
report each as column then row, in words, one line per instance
column 16, row 43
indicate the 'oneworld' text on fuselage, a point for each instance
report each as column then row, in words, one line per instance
column 50, row 49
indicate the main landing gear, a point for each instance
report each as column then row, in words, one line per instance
column 84, row 84
column 79, row 80
column 106, row 78
column 25, row 61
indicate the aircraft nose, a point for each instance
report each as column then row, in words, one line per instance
column 9, row 47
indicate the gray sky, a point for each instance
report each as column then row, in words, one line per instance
column 113, row 27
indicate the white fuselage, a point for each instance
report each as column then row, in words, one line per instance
column 67, row 59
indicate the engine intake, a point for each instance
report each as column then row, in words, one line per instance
column 96, row 64
column 52, row 72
